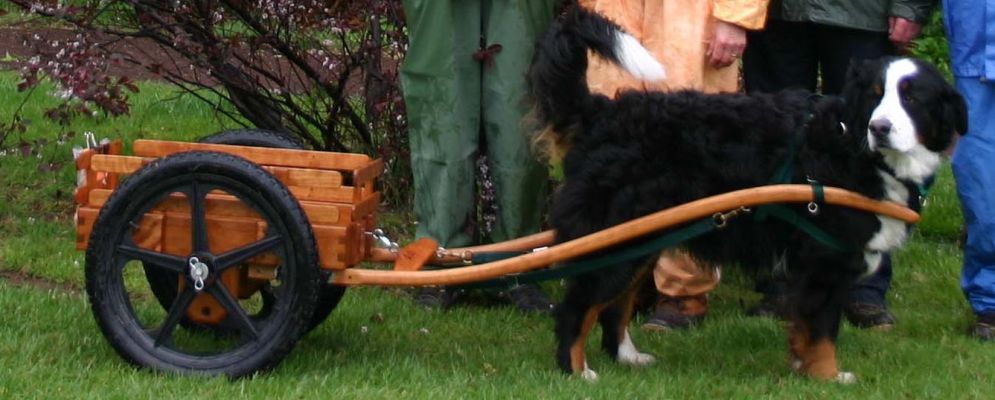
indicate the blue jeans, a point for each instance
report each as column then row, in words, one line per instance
column 975, row 174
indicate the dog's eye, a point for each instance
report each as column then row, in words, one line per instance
column 907, row 98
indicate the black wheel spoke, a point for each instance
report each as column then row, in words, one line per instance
column 152, row 258
column 235, row 311
column 176, row 312
column 239, row 255
column 198, row 219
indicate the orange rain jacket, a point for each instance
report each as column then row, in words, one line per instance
column 677, row 32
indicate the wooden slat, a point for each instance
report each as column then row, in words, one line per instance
column 117, row 164
column 328, row 195
column 306, row 177
column 83, row 161
column 368, row 173
column 289, row 176
column 365, row 207
column 85, row 217
column 227, row 206
column 332, row 246
column 174, row 236
column 259, row 155
column 223, row 234
column 81, row 193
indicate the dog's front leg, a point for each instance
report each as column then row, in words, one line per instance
column 820, row 284
column 815, row 356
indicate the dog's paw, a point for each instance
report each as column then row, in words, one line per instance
column 636, row 359
column 589, row 375
column 796, row 364
column 846, row 378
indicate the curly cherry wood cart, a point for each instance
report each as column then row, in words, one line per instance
column 216, row 259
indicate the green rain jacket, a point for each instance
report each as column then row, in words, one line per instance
column 869, row 15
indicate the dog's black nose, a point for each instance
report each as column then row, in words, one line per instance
column 879, row 128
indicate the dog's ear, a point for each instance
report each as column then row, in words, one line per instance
column 855, row 78
column 859, row 92
column 863, row 72
column 954, row 111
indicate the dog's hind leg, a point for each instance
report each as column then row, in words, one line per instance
column 574, row 319
column 585, row 301
column 615, row 319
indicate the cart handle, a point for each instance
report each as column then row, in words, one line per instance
column 615, row 235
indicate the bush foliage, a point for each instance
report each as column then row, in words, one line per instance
column 322, row 70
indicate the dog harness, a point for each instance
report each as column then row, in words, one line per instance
column 784, row 175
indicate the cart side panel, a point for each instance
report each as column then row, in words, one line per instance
column 336, row 191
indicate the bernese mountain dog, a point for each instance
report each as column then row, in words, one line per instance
column 646, row 151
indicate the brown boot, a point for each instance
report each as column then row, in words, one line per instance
column 677, row 313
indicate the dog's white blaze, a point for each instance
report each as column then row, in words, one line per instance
column 903, row 131
column 915, row 165
column 636, row 59
column 892, row 233
column 629, row 355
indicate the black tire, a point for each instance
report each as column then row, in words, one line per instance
column 253, row 342
column 164, row 283
column 254, row 138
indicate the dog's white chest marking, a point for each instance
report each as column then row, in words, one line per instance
column 902, row 136
column 892, row 232
column 916, row 165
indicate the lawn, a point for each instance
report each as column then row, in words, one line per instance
column 377, row 344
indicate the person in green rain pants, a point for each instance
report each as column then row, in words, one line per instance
column 464, row 84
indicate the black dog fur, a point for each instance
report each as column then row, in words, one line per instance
column 644, row 152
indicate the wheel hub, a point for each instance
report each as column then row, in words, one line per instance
column 198, row 273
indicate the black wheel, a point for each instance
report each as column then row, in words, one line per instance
column 164, row 283
column 254, row 138
column 259, row 324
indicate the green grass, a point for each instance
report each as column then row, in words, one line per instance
column 50, row 346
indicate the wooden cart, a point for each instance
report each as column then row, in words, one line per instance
column 215, row 259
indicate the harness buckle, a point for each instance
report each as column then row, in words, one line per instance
column 720, row 219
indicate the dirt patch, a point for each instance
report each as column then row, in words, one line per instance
column 19, row 44
column 24, row 280
column 150, row 61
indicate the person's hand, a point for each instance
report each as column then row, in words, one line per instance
column 727, row 44
column 901, row 31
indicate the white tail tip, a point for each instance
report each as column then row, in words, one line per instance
column 637, row 60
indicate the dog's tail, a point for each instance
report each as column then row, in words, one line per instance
column 558, row 72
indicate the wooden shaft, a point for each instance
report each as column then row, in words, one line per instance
column 620, row 233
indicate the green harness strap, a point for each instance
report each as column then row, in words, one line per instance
column 783, row 176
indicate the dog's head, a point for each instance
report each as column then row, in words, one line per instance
column 908, row 112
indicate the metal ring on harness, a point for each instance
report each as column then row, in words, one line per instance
column 813, row 208
column 719, row 220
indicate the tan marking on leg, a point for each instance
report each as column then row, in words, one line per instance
column 813, row 358
column 820, row 361
column 577, row 360
column 798, row 338
column 628, row 301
